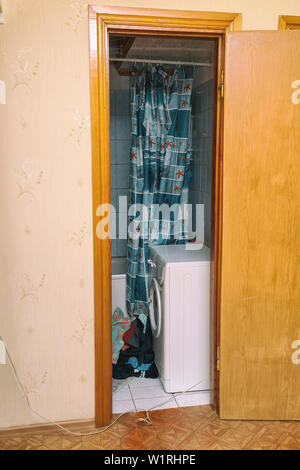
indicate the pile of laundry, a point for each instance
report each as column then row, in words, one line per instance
column 132, row 347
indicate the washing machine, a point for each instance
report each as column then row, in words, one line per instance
column 179, row 310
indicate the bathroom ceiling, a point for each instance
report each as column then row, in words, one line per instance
column 160, row 48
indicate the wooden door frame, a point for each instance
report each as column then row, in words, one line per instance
column 288, row 22
column 102, row 21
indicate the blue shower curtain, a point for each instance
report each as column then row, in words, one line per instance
column 159, row 170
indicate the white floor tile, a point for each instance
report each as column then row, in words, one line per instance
column 117, row 384
column 122, row 393
column 193, row 399
column 153, row 391
column 146, row 403
column 138, row 383
column 120, row 406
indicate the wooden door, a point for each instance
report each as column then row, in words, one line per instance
column 260, row 275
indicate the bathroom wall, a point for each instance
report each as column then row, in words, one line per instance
column 46, row 238
column 120, row 135
column 200, row 187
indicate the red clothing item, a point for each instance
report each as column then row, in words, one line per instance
column 127, row 335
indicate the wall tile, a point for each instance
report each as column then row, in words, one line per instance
column 123, row 127
column 122, row 247
column 123, row 152
column 114, row 247
column 120, row 154
column 114, row 198
column 203, row 178
column 122, row 176
column 209, row 122
column 123, row 102
column 209, row 148
column 202, row 143
column 114, row 225
column 113, row 152
column 112, row 102
column 113, row 176
column 121, row 192
column 112, row 127
column 122, row 225
column 204, row 101
column 198, row 100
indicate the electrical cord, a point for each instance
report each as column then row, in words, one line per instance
column 147, row 419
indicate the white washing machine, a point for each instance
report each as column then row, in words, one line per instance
column 179, row 314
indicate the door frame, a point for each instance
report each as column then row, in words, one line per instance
column 102, row 21
column 288, row 22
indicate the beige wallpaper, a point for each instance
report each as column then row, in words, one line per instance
column 46, row 266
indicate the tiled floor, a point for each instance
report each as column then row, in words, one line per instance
column 195, row 427
column 141, row 394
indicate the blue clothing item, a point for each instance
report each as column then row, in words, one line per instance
column 159, row 170
column 143, row 319
column 134, row 363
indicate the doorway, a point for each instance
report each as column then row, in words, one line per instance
column 162, row 129
column 190, row 26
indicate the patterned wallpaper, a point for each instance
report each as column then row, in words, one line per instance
column 46, row 268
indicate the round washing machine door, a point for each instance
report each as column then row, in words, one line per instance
column 155, row 307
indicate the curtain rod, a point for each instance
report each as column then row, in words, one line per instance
column 157, row 61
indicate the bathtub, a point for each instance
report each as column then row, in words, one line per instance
column 118, row 282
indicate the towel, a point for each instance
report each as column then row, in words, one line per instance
column 120, row 324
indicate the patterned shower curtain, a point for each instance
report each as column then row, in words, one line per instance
column 159, row 170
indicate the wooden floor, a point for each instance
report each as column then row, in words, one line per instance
column 179, row 428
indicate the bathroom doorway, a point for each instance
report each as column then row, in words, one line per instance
column 162, row 127
column 118, row 31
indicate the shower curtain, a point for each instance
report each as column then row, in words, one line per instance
column 159, row 170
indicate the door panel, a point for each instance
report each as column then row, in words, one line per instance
column 260, row 276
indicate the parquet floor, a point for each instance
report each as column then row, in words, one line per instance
column 189, row 428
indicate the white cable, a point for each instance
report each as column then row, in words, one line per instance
column 45, row 418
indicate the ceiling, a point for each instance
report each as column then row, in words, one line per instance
column 160, row 48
